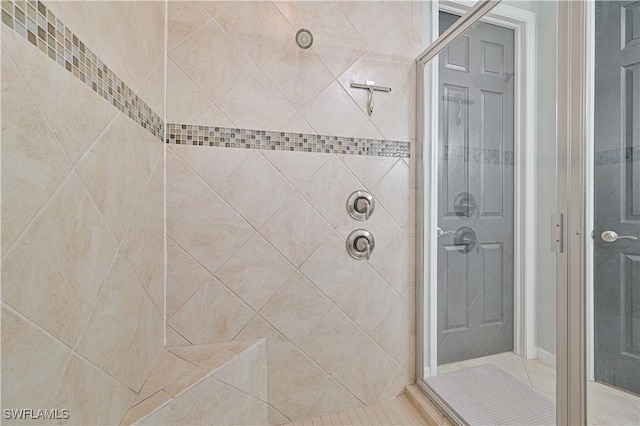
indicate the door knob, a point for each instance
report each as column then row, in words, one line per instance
column 441, row 232
column 612, row 236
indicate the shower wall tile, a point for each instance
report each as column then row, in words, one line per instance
column 189, row 101
column 54, row 272
column 212, row 314
column 34, row 163
column 32, row 363
column 302, row 13
column 90, row 117
column 82, row 194
column 108, row 28
column 296, row 229
column 285, row 280
column 107, row 338
column 116, row 171
column 90, row 395
column 263, row 190
column 287, row 267
column 255, row 272
column 255, row 65
column 296, row 308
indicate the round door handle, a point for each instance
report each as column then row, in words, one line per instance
column 612, row 236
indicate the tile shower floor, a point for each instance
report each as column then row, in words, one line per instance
column 399, row 411
column 605, row 405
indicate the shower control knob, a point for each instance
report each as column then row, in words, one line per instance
column 360, row 205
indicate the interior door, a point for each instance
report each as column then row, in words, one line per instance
column 617, row 194
column 475, row 194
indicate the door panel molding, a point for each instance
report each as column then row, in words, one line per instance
column 524, row 24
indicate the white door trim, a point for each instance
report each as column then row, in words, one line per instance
column 589, row 185
column 524, row 25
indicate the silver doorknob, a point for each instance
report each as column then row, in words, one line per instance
column 441, row 232
column 612, row 236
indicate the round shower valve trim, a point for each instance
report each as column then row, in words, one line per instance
column 360, row 205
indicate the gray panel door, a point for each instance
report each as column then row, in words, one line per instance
column 475, row 196
column 617, row 194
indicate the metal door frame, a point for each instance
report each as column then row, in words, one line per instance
column 523, row 24
column 572, row 143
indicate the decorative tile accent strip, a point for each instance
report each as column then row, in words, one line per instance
column 477, row 155
column 33, row 21
column 629, row 154
column 188, row 134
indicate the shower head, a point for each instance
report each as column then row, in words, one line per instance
column 304, row 38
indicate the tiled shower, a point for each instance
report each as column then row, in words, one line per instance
column 174, row 187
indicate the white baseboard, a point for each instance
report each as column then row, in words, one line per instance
column 546, row 356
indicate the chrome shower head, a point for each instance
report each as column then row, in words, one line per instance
column 304, row 38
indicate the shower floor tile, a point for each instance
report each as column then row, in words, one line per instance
column 399, row 411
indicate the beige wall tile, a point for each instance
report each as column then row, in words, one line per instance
column 369, row 170
column 247, row 372
column 108, row 28
column 328, row 191
column 296, row 167
column 333, row 112
column 115, row 170
column 144, row 243
column 196, row 407
column 335, row 398
column 212, row 314
column 255, row 103
column 336, row 42
column 32, row 363
column 214, row 165
column 255, row 272
column 302, row 13
column 227, row 62
column 296, row 230
column 211, row 231
column 186, row 103
column 375, row 19
column 393, row 192
column 55, row 272
column 33, row 161
column 184, row 19
column 147, row 346
column 91, row 396
column 295, row 384
column 256, row 190
column 350, row 356
column 298, row 73
column 239, row 21
column 296, row 308
column 109, row 334
column 331, row 268
column 184, row 188
column 76, row 113
column 184, row 277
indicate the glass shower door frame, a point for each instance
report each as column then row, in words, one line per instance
column 572, row 144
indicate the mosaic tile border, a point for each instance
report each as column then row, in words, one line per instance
column 629, row 154
column 224, row 137
column 477, row 155
column 39, row 26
